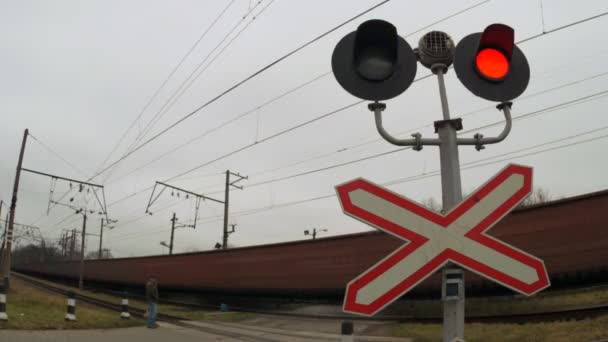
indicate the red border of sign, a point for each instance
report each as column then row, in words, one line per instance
column 415, row 240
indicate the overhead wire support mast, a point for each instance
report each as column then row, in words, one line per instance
column 82, row 211
column 101, row 201
column 5, row 263
column 227, row 203
column 174, row 225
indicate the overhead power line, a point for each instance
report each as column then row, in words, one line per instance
column 185, row 85
column 519, row 42
column 393, row 151
column 465, row 166
column 222, row 125
column 237, row 85
column 421, row 78
column 373, row 156
column 166, row 80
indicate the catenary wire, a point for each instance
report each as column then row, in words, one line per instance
column 520, row 42
column 523, row 116
column 329, row 72
column 178, row 92
column 165, row 81
column 237, row 85
column 465, row 166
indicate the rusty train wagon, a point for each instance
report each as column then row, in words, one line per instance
column 569, row 235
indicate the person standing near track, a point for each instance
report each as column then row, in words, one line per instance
column 152, row 300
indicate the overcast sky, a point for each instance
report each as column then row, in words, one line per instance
column 78, row 73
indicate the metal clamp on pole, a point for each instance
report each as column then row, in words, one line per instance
column 479, row 140
column 417, row 142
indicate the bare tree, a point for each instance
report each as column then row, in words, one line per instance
column 538, row 196
column 432, row 203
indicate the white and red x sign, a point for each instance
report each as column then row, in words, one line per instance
column 434, row 239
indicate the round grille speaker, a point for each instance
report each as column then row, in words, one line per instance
column 436, row 47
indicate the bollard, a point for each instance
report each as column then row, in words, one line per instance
column 347, row 331
column 3, row 316
column 71, row 315
column 125, row 306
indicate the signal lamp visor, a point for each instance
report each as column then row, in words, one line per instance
column 492, row 64
column 375, row 50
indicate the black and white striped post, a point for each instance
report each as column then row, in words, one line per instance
column 3, row 316
column 71, row 314
column 347, row 331
column 125, row 306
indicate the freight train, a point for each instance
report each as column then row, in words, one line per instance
column 570, row 235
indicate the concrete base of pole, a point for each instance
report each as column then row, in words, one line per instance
column 70, row 316
column 125, row 308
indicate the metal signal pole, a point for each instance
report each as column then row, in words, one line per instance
column 6, row 258
column 451, row 190
column 448, row 142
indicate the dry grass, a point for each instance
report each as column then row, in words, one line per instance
column 571, row 331
column 544, row 301
column 173, row 310
column 30, row 308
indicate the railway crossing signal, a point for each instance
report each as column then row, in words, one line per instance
column 490, row 65
column 433, row 240
column 374, row 62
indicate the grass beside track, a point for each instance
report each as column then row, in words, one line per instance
column 517, row 304
column 584, row 330
column 173, row 310
column 30, row 308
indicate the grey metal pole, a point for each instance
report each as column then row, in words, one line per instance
column 84, row 231
column 4, row 233
column 172, row 234
column 6, row 259
column 100, row 239
column 451, row 188
column 72, row 244
column 226, row 206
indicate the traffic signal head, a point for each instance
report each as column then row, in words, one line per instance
column 374, row 63
column 490, row 65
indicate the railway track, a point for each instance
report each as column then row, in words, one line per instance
column 519, row 318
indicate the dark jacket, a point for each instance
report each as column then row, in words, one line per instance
column 151, row 292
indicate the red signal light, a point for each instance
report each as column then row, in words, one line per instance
column 492, row 64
